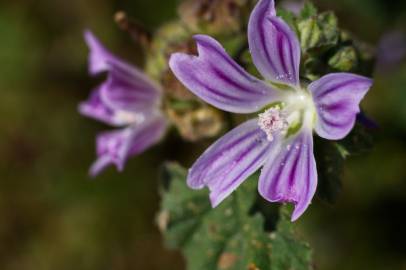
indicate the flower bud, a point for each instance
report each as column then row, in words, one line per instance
column 199, row 123
column 215, row 16
column 137, row 32
column 345, row 59
column 318, row 32
column 193, row 119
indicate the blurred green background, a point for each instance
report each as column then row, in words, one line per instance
column 52, row 216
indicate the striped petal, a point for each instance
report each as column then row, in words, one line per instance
column 126, row 88
column 337, row 97
column 219, row 80
column 129, row 90
column 96, row 109
column 274, row 47
column 230, row 160
column 116, row 147
column 290, row 174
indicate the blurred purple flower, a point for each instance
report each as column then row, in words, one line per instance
column 280, row 138
column 391, row 51
column 293, row 6
column 127, row 99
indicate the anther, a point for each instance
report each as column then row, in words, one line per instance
column 271, row 121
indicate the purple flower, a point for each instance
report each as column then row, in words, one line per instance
column 280, row 138
column 293, row 6
column 391, row 51
column 128, row 100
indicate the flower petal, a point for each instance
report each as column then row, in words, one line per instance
column 98, row 54
column 290, row 174
column 116, row 147
column 127, row 88
column 274, row 47
column 337, row 97
column 96, row 109
column 230, row 160
column 219, row 80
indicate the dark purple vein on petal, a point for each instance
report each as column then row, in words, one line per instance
column 234, row 83
column 221, row 152
column 261, row 30
column 237, row 68
column 260, row 156
column 214, row 91
column 337, row 86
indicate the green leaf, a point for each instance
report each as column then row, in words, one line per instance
column 329, row 24
column 222, row 238
column 310, row 33
column 326, row 48
column 309, row 10
column 227, row 237
column 290, row 253
column 289, row 17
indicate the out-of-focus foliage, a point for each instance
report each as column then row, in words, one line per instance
column 52, row 215
column 227, row 237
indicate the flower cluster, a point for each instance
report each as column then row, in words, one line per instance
column 279, row 137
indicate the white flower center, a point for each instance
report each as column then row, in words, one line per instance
column 271, row 121
column 296, row 108
column 128, row 118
